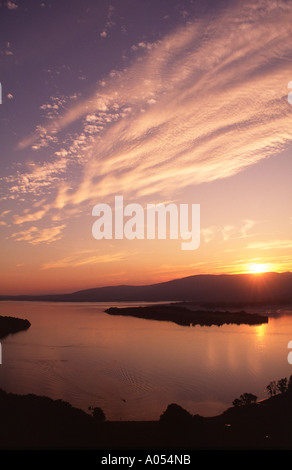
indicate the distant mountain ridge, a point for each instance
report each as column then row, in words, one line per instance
column 201, row 288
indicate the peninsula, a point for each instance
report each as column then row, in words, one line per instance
column 187, row 317
column 9, row 325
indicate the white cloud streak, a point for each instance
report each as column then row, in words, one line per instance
column 270, row 245
column 84, row 258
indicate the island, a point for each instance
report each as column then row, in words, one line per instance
column 9, row 325
column 182, row 315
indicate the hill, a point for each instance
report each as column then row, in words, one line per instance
column 224, row 288
column 38, row 422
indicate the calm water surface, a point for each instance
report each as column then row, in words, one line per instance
column 133, row 368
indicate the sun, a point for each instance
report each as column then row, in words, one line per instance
column 258, row 268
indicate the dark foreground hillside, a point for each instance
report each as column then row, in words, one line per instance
column 34, row 422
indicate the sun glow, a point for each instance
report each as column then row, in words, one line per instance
column 258, row 268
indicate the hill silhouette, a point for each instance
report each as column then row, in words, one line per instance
column 38, row 422
column 206, row 288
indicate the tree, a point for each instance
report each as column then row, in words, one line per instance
column 282, row 385
column 98, row 414
column 237, row 402
column 245, row 399
column 289, row 387
column 175, row 415
column 272, row 388
column 248, row 398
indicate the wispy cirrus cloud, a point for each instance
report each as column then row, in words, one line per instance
column 270, row 245
column 201, row 104
column 227, row 232
column 35, row 236
column 84, row 258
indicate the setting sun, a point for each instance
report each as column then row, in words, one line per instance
column 257, row 268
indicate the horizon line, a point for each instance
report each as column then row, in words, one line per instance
column 257, row 274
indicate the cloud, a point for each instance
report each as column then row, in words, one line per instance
column 109, row 22
column 227, row 232
column 208, row 234
column 143, row 45
column 39, row 179
column 44, row 138
column 248, row 225
column 11, row 5
column 4, row 213
column 30, row 217
column 45, row 134
column 53, row 108
column 201, row 104
column 270, row 245
column 84, row 258
column 35, row 236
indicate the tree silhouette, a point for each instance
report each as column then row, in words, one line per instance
column 289, row 387
column 272, row 388
column 237, row 402
column 175, row 415
column 245, row 399
column 98, row 414
column 282, row 385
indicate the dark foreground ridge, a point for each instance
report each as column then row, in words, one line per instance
column 184, row 316
column 9, row 325
column 35, row 422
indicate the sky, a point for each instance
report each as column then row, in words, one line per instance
column 157, row 101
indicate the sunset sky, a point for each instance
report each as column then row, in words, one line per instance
column 158, row 101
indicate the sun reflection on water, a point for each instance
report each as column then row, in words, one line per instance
column 260, row 333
